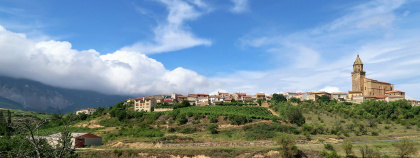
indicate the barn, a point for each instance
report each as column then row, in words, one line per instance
column 79, row 140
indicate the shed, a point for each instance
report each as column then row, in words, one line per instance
column 79, row 140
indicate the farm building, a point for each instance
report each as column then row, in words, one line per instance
column 79, row 140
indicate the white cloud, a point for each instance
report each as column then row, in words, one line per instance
column 122, row 72
column 322, row 57
column 330, row 89
column 174, row 34
column 239, row 6
column 371, row 14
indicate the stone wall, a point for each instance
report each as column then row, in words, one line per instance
column 162, row 109
column 218, row 144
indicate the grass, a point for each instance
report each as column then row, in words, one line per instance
column 181, row 152
column 385, row 148
column 23, row 113
column 254, row 112
column 385, row 131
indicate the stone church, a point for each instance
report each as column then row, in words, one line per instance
column 371, row 88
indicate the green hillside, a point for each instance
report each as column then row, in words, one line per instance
column 9, row 104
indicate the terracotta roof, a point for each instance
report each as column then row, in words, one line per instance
column 168, row 100
column 378, row 81
column 88, row 135
column 355, row 92
column 395, row 91
column 261, row 94
column 358, row 61
column 203, row 94
column 381, row 96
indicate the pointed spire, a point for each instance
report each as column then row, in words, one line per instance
column 358, row 61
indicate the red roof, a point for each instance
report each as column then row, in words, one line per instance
column 168, row 100
column 395, row 91
column 88, row 136
column 355, row 91
column 381, row 96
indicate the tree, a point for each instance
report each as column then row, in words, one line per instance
column 294, row 115
column 278, row 98
column 324, row 99
column 288, row 144
column 347, row 146
column 28, row 141
column 213, row 129
column 259, row 101
column 3, row 124
column 404, row 147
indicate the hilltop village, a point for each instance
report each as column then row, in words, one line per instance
column 363, row 89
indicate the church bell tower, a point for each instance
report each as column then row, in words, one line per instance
column 358, row 76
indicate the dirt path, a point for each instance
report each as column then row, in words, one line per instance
column 265, row 104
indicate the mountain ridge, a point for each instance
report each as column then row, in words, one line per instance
column 33, row 95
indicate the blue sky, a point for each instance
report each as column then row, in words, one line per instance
column 146, row 47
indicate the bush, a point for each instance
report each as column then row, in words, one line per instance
column 327, row 154
column 180, row 119
column 404, row 147
column 213, row 119
column 288, row 144
column 188, row 130
column 213, row 129
column 365, row 151
column 329, row 147
column 347, row 147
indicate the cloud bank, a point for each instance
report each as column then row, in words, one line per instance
column 174, row 34
column 122, row 72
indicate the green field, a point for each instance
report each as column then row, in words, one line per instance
column 254, row 112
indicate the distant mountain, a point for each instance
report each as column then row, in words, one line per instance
column 31, row 95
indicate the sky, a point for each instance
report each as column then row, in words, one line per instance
column 147, row 47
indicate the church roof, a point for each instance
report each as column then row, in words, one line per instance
column 358, row 61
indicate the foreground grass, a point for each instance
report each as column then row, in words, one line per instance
column 384, row 148
column 181, row 152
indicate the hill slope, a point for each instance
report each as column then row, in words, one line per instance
column 32, row 95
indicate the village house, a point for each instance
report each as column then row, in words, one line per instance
column 247, row 98
column 181, row 98
column 339, row 96
column 88, row 111
column 202, row 100
column 145, row 104
column 260, row 96
column 192, row 98
column 78, row 140
column 398, row 93
column 414, row 102
column 223, row 95
column 213, row 99
column 314, row 96
column 355, row 97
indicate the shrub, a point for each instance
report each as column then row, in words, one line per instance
column 171, row 130
column 188, row 130
column 329, row 147
column 180, row 119
column 404, row 147
column 367, row 152
column 326, row 154
column 288, row 144
column 347, row 147
column 213, row 129
column 213, row 119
